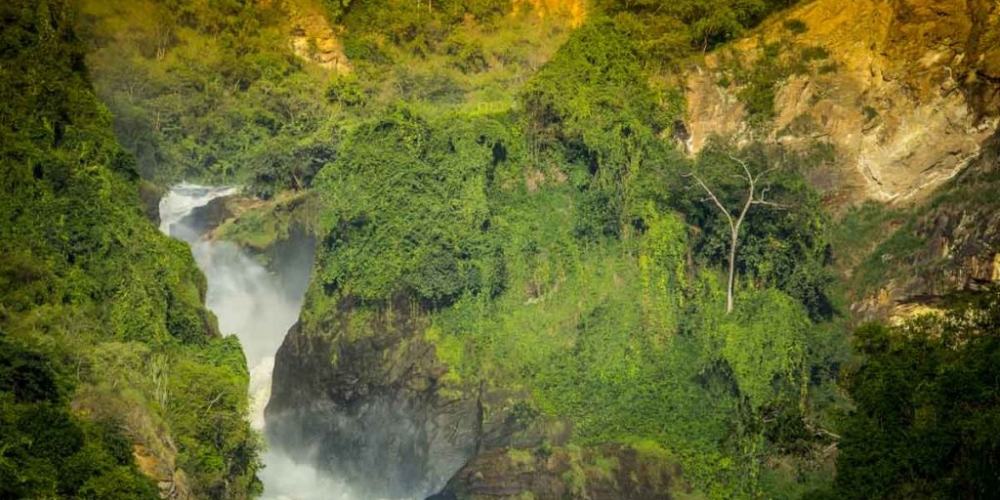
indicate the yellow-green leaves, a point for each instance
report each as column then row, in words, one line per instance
column 662, row 266
column 765, row 345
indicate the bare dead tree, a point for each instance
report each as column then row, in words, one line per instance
column 752, row 198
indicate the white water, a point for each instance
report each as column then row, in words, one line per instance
column 253, row 305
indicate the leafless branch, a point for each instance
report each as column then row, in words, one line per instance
column 712, row 196
column 752, row 198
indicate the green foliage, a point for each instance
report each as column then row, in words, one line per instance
column 419, row 28
column 783, row 246
column 45, row 451
column 870, row 113
column 858, row 232
column 202, row 90
column 760, row 74
column 620, row 335
column 668, row 31
column 765, row 345
column 814, row 53
column 554, row 251
column 796, row 26
column 345, row 90
column 207, row 409
column 406, row 208
column 287, row 164
column 758, row 86
column 892, row 254
column 928, row 411
column 590, row 103
column 336, row 8
column 444, row 57
column 89, row 289
column 263, row 227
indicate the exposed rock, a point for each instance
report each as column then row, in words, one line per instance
column 150, row 195
column 910, row 91
column 171, row 482
column 362, row 389
column 573, row 10
column 207, row 218
column 314, row 39
column 360, row 393
column 605, row 473
column 279, row 233
column 958, row 231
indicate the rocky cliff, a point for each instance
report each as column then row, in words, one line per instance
column 361, row 392
column 904, row 95
column 906, row 91
column 948, row 244
column 907, row 96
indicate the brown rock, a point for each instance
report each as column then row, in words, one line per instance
column 925, row 68
column 602, row 473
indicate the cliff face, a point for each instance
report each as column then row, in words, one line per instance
column 950, row 243
column 907, row 91
column 907, row 94
column 313, row 38
column 361, row 393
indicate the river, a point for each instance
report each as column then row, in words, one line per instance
column 258, row 307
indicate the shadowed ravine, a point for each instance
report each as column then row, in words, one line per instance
column 258, row 307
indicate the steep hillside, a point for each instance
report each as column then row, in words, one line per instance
column 901, row 100
column 906, row 92
column 114, row 381
column 540, row 276
column 217, row 91
column 947, row 244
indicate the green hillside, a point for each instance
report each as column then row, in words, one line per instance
column 107, row 350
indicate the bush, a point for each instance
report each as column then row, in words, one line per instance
column 912, row 433
column 796, row 26
column 406, row 208
column 346, row 91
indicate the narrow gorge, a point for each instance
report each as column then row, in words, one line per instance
column 499, row 249
column 258, row 305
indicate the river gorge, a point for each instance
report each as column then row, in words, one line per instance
column 258, row 306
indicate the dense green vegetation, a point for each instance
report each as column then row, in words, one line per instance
column 507, row 173
column 212, row 91
column 559, row 250
column 207, row 90
column 665, row 32
column 48, row 451
column 102, row 328
column 928, row 407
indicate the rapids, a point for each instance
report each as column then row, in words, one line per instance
column 258, row 307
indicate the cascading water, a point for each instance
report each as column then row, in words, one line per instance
column 259, row 308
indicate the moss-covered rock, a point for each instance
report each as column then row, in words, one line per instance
column 543, row 473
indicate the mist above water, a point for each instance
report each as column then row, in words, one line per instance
column 258, row 307
column 249, row 301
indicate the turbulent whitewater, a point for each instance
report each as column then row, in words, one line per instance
column 258, row 307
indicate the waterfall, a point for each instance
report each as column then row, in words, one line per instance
column 258, row 307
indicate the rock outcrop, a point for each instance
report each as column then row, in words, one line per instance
column 358, row 394
column 955, row 244
column 606, row 473
column 314, row 39
column 910, row 91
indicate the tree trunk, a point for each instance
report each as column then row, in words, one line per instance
column 732, row 273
